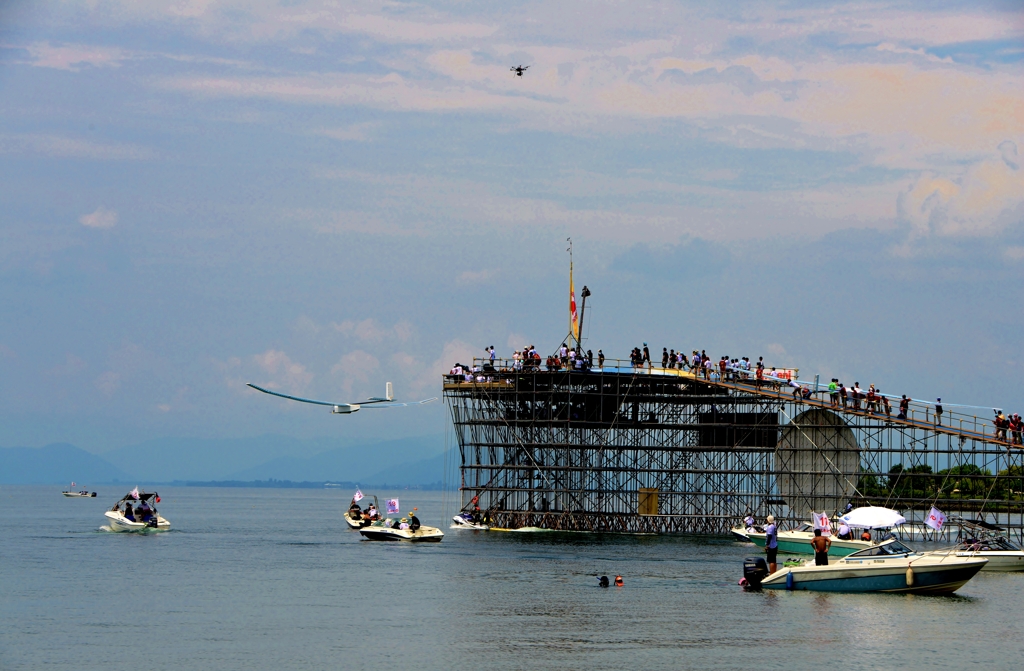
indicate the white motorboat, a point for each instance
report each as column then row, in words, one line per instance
column 468, row 521
column 798, row 541
column 887, row 567
column 143, row 517
column 391, row 530
column 357, row 518
column 981, row 539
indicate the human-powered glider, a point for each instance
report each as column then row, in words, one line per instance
column 348, row 408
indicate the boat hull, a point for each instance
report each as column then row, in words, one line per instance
column 355, row 524
column 927, row 579
column 118, row 522
column 999, row 560
column 79, row 495
column 421, row 535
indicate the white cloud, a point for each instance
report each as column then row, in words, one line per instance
column 356, row 366
column 73, row 57
column 983, row 200
column 57, row 146
column 372, row 331
column 101, row 217
column 360, row 132
column 108, row 382
column 286, row 373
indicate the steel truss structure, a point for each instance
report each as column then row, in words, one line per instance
column 662, row 451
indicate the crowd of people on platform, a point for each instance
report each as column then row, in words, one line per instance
column 1008, row 428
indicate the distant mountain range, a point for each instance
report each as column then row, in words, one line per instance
column 415, row 461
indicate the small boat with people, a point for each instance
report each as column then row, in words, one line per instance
column 83, row 494
column 798, row 540
column 407, row 529
column 143, row 517
column 356, row 517
column 872, row 523
column 889, row 566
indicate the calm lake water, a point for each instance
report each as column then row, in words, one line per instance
column 271, row 579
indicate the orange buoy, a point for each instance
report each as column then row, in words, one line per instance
column 618, row 581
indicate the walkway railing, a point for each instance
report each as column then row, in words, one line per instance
column 920, row 415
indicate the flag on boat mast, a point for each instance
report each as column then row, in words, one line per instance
column 574, row 324
column 135, row 493
column 821, row 521
column 936, row 519
column 358, row 496
column 393, row 506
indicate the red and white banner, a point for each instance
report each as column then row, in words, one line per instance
column 358, row 496
column 821, row 521
column 936, row 519
column 393, row 506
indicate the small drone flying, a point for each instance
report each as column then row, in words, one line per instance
column 519, row 70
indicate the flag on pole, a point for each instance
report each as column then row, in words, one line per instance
column 393, row 507
column 358, row 496
column 135, row 493
column 73, row 484
column 574, row 324
column 821, row 521
column 936, row 518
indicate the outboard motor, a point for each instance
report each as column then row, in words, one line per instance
column 755, row 569
column 152, row 522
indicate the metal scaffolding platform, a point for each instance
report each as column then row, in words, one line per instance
column 652, row 450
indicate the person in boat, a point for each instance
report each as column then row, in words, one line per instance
column 128, row 513
column 821, row 545
column 372, row 513
column 866, row 536
column 476, row 515
column 144, row 512
column 844, row 532
column 749, row 522
column 403, row 523
column 414, row 522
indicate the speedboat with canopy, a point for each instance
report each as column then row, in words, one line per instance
column 357, row 518
column 798, row 541
column 887, row 567
column 142, row 517
column 981, row 539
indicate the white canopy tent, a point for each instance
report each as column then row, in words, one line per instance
column 873, row 517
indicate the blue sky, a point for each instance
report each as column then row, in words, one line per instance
column 321, row 196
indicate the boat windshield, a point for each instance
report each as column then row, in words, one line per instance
column 893, row 547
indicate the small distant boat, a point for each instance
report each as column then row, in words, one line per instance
column 144, row 517
column 84, row 494
column 468, row 521
column 887, row 567
column 391, row 530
